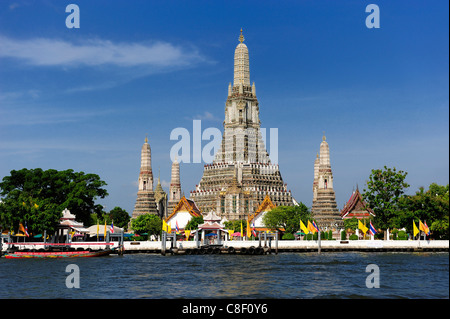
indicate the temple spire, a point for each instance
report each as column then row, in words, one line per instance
column 241, row 64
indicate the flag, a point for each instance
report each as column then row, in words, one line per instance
column 24, row 229
column 426, row 228
column 315, row 226
column 304, row 228
column 164, row 226
column 98, row 227
column 249, row 234
column 372, row 229
column 187, row 233
column 253, row 228
column 230, row 233
column 111, row 228
column 311, row 227
column 242, row 230
column 362, row 227
column 176, row 226
column 169, row 228
column 104, row 233
column 415, row 229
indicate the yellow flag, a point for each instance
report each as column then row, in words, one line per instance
column 187, row 233
column 311, row 227
column 230, row 233
column 249, row 232
column 242, row 230
column 164, row 226
column 362, row 227
column 303, row 227
column 98, row 227
column 104, row 234
column 169, row 228
column 422, row 227
column 415, row 229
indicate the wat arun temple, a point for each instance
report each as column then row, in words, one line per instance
column 241, row 175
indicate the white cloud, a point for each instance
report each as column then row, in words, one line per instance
column 96, row 52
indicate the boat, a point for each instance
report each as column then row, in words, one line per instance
column 58, row 254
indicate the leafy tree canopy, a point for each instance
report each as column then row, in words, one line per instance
column 38, row 197
column 287, row 218
column 147, row 223
column 385, row 188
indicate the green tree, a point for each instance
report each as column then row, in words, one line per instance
column 38, row 197
column 119, row 216
column 194, row 222
column 431, row 206
column 287, row 218
column 147, row 223
column 384, row 190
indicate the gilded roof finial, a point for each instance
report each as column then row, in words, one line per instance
column 324, row 138
column 146, row 138
column 241, row 37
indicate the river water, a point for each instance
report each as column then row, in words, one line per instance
column 286, row 275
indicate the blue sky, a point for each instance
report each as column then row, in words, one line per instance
column 86, row 98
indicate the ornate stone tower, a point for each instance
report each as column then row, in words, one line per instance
column 175, row 187
column 241, row 174
column 324, row 208
column 161, row 200
column 145, row 202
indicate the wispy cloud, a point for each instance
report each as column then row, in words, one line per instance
column 206, row 116
column 97, row 52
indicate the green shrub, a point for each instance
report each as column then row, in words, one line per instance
column 354, row 237
column 288, row 236
column 402, row 235
column 330, row 234
column 308, row 237
column 343, row 235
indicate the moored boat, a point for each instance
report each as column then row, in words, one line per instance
column 58, row 254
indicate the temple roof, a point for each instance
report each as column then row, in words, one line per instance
column 265, row 206
column 356, row 207
column 212, row 216
column 188, row 205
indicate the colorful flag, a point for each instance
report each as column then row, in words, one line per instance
column 372, row 229
column 253, row 228
column 304, row 228
column 424, row 228
column 111, row 228
column 428, row 229
column 315, row 226
column 24, row 229
column 311, row 227
column 176, row 226
column 362, row 227
column 415, row 229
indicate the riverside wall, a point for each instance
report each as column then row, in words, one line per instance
column 299, row 245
